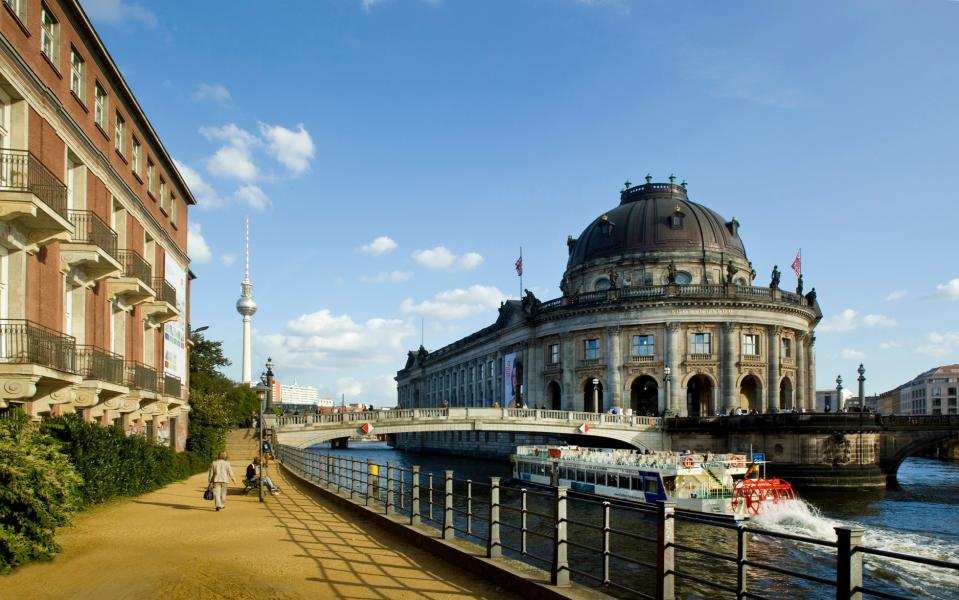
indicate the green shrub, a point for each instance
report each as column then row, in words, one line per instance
column 39, row 491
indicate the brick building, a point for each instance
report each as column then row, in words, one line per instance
column 94, row 277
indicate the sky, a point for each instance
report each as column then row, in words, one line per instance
column 393, row 156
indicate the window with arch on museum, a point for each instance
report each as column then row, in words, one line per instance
column 591, row 348
column 644, row 345
column 750, row 344
column 554, row 354
column 683, row 278
column 700, row 343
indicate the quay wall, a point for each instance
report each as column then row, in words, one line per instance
column 489, row 445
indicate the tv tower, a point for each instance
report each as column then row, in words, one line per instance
column 246, row 306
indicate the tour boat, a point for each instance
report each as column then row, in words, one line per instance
column 725, row 486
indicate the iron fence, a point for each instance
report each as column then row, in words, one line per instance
column 88, row 228
column 164, row 291
column 139, row 376
column 26, row 342
column 170, row 385
column 21, row 171
column 96, row 363
column 135, row 266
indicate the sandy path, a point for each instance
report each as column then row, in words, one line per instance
column 171, row 544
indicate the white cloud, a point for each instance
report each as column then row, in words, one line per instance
column 348, row 386
column 457, row 303
column 850, row 354
column 231, row 134
column 940, row 344
column 895, row 295
column 232, row 162
column 292, row 149
column 889, row 345
column 441, row 258
column 214, row 92
column 252, row 196
column 206, row 196
column 323, row 341
column 389, row 277
column 380, row 245
column 367, row 5
column 228, row 260
column 196, row 245
column 849, row 319
column 119, row 12
column 949, row 289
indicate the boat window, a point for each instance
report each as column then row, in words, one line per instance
column 600, row 478
column 652, row 486
column 590, row 476
column 580, row 475
column 612, row 480
column 540, row 469
column 637, row 484
column 624, row 482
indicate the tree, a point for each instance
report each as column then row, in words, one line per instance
column 206, row 356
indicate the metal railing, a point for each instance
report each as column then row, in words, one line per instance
column 164, row 291
column 88, row 228
column 26, row 342
column 96, row 363
column 641, row 551
column 135, row 266
column 412, row 414
column 139, row 376
column 169, row 385
column 21, row 171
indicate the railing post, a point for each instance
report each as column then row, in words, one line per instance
column 522, row 516
column 429, row 493
column 369, row 481
column 402, row 488
column 338, row 473
column 352, row 476
column 469, row 507
column 559, row 575
column 448, row 532
column 741, row 555
column 606, row 546
column 665, row 564
column 848, row 563
column 389, row 489
column 494, row 548
column 415, row 496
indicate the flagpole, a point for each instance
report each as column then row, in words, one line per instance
column 520, row 272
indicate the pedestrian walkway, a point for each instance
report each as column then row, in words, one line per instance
column 171, row 544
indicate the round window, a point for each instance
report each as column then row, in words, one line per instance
column 601, row 284
column 683, row 278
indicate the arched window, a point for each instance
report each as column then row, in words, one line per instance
column 601, row 284
column 683, row 278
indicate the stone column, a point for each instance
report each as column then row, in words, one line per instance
column 613, row 394
column 674, row 354
column 811, row 370
column 730, row 395
column 800, row 400
column 534, row 372
column 568, row 351
column 772, row 380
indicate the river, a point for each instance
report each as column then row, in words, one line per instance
column 920, row 517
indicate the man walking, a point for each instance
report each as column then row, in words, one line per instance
column 221, row 473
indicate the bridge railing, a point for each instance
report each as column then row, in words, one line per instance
column 640, row 551
column 431, row 414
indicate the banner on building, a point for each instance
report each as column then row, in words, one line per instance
column 509, row 385
column 174, row 332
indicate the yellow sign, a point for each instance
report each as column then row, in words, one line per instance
column 374, row 469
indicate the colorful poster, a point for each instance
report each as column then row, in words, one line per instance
column 174, row 332
column 509, row 386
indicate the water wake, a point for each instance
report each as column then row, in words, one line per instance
column 801, row 518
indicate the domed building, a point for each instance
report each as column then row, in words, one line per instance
column 660, row 314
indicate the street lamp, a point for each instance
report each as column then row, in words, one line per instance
column 269, row 384
column 595, row 395
column 839, row 401
column 261, row 394
column 666, row 372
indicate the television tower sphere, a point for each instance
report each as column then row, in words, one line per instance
column 246, row 305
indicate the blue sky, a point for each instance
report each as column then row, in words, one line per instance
column 394, row 154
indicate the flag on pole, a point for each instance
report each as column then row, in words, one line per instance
column 519, row 266
column 797, row 264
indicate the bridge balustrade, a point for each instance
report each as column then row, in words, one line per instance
column 632, row 549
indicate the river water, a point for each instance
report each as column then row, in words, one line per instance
column 920, row 517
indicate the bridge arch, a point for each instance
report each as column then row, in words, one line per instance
column 891, row 458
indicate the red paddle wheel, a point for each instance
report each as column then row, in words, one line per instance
column 751, row 493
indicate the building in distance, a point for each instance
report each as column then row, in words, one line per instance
column 932, row 392
column 293, row 396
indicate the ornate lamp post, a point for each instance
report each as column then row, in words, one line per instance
column 261, row 392
column 862, row 387
column 269, row 384
column 595, row 395
column 666, row 372
column 839, row 401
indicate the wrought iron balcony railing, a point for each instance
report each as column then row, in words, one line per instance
column 135, row 265
column 21, row 171
column 164, row 291
column 139, row 376
column 26, row 342
column 99, row 364
column 169, row 385
column 88, row 228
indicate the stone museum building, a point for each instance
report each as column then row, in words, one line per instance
column 94, row 290
column 661, row 313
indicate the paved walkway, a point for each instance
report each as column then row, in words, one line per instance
column 171, row 544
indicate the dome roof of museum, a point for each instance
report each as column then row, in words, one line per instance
column 652, row 218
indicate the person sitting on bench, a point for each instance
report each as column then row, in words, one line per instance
column 252, row 478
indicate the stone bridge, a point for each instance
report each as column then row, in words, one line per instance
column 820, row 450
column 602, row 429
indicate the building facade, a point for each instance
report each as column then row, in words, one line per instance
column 94, row 276
column 660, row 314
column 307, row 395
column 933, row 392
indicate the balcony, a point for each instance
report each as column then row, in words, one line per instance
column 700, row 357
column 132, row 286
column 103, row 376
column 589, row 363
column 23, row 342
column 32, row 199
column 162, row 307
column 170, row 387
column 642, row 359
column 92, row 246
column 138, row 376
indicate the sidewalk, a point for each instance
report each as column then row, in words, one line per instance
column 171, row 544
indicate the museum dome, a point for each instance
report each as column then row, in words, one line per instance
column 655, row 218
